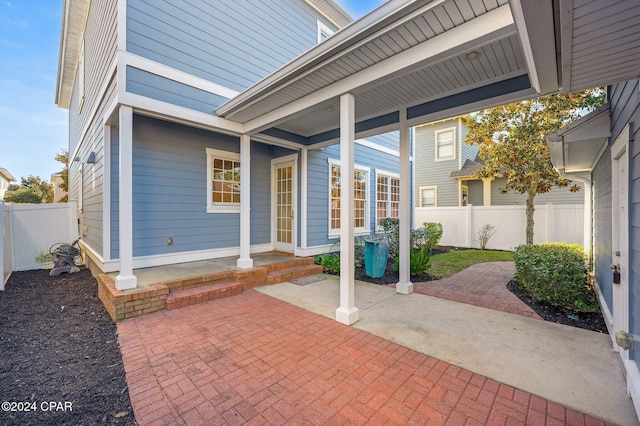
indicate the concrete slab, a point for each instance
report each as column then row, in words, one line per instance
column 573, row 367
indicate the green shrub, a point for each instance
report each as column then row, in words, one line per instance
column 427, row 236
column 419, row 261
column 330, row 262
column 555, row 273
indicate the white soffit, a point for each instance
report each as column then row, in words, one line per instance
column 74, row 19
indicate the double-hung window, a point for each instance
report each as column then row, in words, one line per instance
column 446, row 144
column 223, row 181
column 428, row 196
column 387, row 196
column 360, row 199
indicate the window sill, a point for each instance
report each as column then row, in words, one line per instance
column 223, row 209
column 333, row 235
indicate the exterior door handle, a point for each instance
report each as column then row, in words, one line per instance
column 616, row 273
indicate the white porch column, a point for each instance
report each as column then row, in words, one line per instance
column 304, row 156
column 347, row 313
column 404, row 286
column 486, row 192
column 245, row 261
column 125, row 279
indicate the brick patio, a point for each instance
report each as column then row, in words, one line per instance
column 471, row 286
column 252, row 359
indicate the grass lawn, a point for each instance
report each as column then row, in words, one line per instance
column 446, row 264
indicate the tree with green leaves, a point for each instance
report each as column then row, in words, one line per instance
column 63, row 157
column 511, row 141
column 31, row 190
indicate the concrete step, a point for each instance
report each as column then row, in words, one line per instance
column 191, row 296
column 282, row 275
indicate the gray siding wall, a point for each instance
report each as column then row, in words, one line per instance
column 318, row 187
column 228, row 42
column 555, row 196
column 90, row 181
column 469, row 152
column 429, row 172
column 100, row 42
column 601, row 181
column 625, row 108
column 100, row 45
column 476, row 192
column 153, row 86
column 170, row 191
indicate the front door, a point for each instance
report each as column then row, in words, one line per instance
column 284, row 208
column 620, row 221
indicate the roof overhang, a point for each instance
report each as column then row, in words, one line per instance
column 330, row 10
column 577, row 147
column 74, row 19
column 439, row 59
column 8, row 176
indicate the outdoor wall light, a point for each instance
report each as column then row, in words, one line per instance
column 92, row 158
column 472, row 56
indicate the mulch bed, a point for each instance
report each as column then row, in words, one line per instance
column 587, row 320
column 60, row 358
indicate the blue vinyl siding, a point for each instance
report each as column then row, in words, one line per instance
column 170, row 190
column 153, row 86
column 389, row 140
column 318, row 187
column 231, row 43
column 625, row 108
column 602, row 229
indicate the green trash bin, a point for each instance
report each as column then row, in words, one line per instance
column 375, row 258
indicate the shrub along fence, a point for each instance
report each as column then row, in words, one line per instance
column 460, row 225
column 29, row 230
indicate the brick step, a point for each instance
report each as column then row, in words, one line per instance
column 191, row 282
column 289, row 264
column 282, row 275
column 194, row 295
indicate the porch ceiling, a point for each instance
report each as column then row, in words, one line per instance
column 442, row 58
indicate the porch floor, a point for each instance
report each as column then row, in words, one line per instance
column 158, row 274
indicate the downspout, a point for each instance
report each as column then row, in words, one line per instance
column 585, row 178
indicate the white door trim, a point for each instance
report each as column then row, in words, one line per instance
column 620, row 234
column 275, row 163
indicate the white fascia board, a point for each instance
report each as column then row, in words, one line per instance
column 135, row 61
column 493, row 25
column 390, row 13
column 535, row 24
column 166, row 111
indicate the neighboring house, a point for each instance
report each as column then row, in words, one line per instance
column 5, row 180
column 444, row 169
column 602, row 149
column 59, row 194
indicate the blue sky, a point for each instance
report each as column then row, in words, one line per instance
column 32, row 128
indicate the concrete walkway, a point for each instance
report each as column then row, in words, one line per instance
column 254, row 359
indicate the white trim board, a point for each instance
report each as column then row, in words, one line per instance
column 182, row 257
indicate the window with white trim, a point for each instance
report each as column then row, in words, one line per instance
column 387, row 196
column 428, row 196
column 324, row 32
column 360, row 199
column 446, row 144
column 223, row 181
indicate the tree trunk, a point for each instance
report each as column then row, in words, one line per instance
column 530, row 210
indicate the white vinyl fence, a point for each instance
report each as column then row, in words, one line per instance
column 460, row 225
column 29, row 230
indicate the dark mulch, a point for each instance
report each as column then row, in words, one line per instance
column 59, row 345
column 589, row 321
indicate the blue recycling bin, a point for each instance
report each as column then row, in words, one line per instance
column 375, row 258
